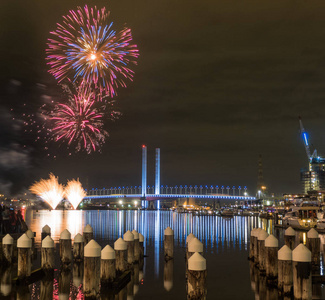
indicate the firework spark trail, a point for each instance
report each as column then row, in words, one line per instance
column 79, row 122
column 49, row 190
column 74, row 192
column 86, row 49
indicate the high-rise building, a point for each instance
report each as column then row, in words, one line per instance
column 313, row 178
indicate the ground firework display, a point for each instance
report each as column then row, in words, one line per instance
column 85, row 48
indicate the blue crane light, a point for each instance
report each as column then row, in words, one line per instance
column 305, row 138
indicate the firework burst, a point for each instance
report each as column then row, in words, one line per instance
column 49, row 190
column 79, row 122
column 74, row 192
column 85, row 48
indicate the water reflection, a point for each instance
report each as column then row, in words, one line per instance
column 225, row 243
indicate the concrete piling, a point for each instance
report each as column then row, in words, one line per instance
column 262, row 235
column 197, row 273
column 7, row 248
column 24, row 245
column 271, row 258
column 141, row 241
column 128, row 237
column 302, row 275
column 168, row 243
column 46, row 230
column 290, row 237
column 107, row 266
column 65, row 247
column 136, row 245
column 285, row 276
column 47, row 254
column 120, row 248
column 78, row 247
column 88, row 234
column 91, row 269
column 313, row 244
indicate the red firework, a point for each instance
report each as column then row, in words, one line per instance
column 79, row 122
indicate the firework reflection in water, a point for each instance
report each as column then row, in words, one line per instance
column 49, row 190
column 74, row 192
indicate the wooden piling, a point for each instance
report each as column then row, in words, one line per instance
column 197, row 273
column 24, row 245
column 141, row 241
column 107, row 266
column 64, row 284
column 195, row 246
column 46, row 230
column 46, row 291
column 30, row 234
column 285, row 276
column 47, row 253
column 255, row 238
column 128, row 237
column 120, row 248
column 252, row 243
column 271, row 258
column 313, row 244
column 88, row 234
column 188, row 239
column 168, row 274
column 168, row 243
column 7, row 248
column 65, row 247
column 91, row 269
column 261, row 250
column 78, row 247
column 302, row 275
column 136, row 246
column 290, row 237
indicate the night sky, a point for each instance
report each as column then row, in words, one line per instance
column 217, row 84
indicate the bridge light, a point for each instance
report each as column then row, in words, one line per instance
column 120, row 202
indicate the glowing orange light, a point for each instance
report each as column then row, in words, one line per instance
column 143, row 146
column 93, row 56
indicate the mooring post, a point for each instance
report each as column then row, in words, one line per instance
column 136, row 272
column 261, row 250
column 252, row 244
column 290, row 237
column 120, row 248
column 168, row 274
column 313, row 244
column 302, row 278
column 197, row 273
column 47, row 253
column 136, row 245
column 78, row 247
column 168, row 243
column 141, row 241
column 271, row 258
column 285, row 279
column 24, row 245
column 30, row 234
column 255, row 238
column 88, row 234
column 107, row 266
column 188, row 239
column 128, row 237
column 7, row 248
column 46, row 230
column 65, row 247
column 91, row 269
column 46, row 291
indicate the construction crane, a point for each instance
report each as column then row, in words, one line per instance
column 304, row 136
